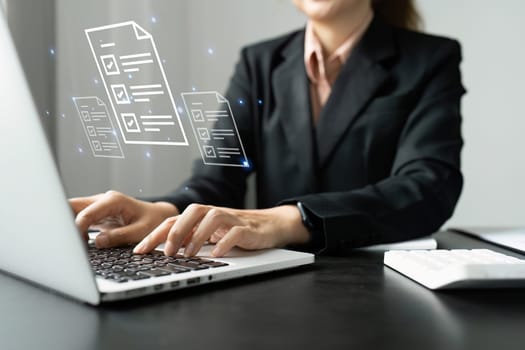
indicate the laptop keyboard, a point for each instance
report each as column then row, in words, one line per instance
column 121, row 265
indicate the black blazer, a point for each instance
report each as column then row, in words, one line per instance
column 383, row 162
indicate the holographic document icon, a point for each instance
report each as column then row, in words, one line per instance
column 98, row 127
column 136, row 85
column 215, row 129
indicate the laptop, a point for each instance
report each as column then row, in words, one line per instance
column 39, row 240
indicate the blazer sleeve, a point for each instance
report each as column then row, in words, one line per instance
column 425, row 181
column 223, row 185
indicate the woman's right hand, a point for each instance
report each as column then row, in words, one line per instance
column 121, row 219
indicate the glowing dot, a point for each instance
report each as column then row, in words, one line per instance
column 163, row 61
column 245, row 163
column 148, row 155
column 80, row 150
column 63, row 115
column 114, row 133
column 150, row 111
column 47, row 113
column 241, row 101
column 210, row 51
column 260, row 102
column 140, row 190
column 95, row 81
column 52, row 51
column 153, row 19
column 181, row 111
column 130, row 76
column 186, row 188
column 193, row 88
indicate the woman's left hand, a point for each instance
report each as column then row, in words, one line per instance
column 227, row 228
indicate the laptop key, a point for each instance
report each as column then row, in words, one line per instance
column 188, row 265
column 174, row 269
column 138, row 277
column 216, row 264
column 154, row 273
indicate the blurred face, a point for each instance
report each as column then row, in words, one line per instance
column 326, row 10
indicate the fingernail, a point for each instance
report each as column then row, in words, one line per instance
column 189, row 249
column 102, row 241
column 138, row 248
column 169, row 249
column 216, row 252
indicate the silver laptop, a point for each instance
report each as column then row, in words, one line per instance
column 39, row 240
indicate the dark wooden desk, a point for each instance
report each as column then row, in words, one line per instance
column 343, row 303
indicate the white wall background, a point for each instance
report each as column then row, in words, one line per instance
column 491, row 33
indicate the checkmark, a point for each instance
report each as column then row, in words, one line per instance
column 197, row 115
column 120, row 94
column 130, row 122
column 203, row 133
column 209, row 151
column 109, row 62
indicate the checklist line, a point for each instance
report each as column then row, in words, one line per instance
column 233, row 153
column 133, row 63
column 138, row 55
column 107, row 45
column 158, row 123
column 131, row 70
column 139, row 87
column 147, row 93
column 156, row 117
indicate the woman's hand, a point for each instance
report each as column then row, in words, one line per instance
column 121, row 219
column 248, row 229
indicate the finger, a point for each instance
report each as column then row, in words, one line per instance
column 236, row 235
column 120, row 236
column 184, row 227
column 156, row 237
column 79, row 203
column 107, row 205
column 213, row 220
column 214, row 238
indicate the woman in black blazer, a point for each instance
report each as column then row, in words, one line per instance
column 367, row 152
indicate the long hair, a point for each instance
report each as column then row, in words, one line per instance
column 399, row 13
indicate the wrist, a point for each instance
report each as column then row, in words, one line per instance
column 294, row 231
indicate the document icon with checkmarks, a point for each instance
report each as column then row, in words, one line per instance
column 99, row 129
column 215, row 129
column 136, row 85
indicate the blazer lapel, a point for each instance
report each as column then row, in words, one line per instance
column 360, row 78
column 292, row 101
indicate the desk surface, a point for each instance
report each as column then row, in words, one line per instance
column 348, row 302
